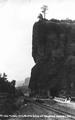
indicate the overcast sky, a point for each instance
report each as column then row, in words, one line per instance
column 16, row 21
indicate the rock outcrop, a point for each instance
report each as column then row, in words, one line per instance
column 53, row 52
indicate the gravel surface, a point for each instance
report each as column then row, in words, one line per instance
column 31, row 111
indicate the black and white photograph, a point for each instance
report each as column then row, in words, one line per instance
column 37, row 59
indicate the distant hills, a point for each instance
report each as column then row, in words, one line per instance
column 23, row 82
column 26, row 83
column 24, row 87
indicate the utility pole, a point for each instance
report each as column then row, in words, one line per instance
column 44, row 9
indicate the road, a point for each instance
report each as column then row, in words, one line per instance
column 34, row 111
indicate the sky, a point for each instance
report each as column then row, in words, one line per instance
column 16, row 23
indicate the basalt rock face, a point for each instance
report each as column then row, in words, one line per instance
column 53, row 53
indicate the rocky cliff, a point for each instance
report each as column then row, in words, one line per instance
column 53, row 52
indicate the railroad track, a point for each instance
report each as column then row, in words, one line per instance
column 57, row 111
column 53, row 109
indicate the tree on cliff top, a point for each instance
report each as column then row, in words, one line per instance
column 44, row 9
